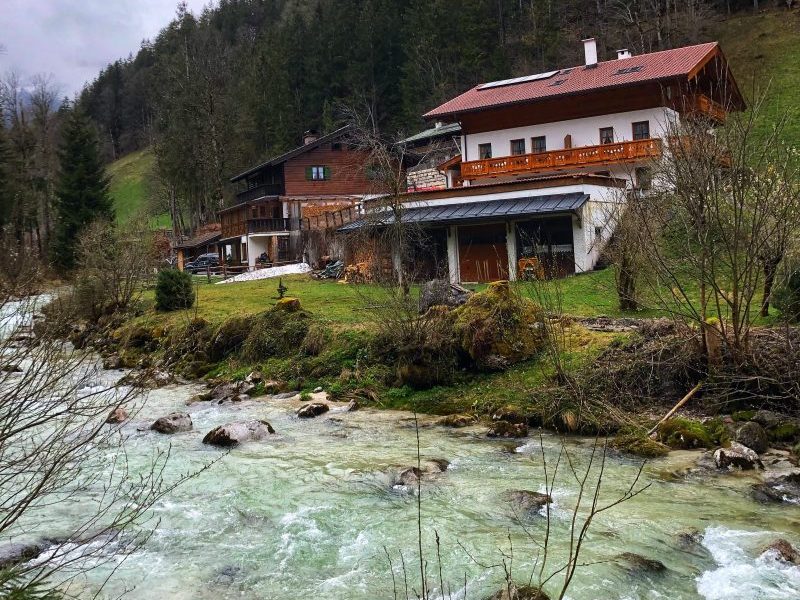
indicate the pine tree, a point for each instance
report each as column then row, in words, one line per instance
column 82, row 191
column 6, row 192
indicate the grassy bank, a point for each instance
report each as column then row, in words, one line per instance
column 131, row 187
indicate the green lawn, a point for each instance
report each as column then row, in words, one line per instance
column 129, row 189
column 764, row 53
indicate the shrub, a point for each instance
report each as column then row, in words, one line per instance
column 787, row 297
column 498, row 327
column 174, row 290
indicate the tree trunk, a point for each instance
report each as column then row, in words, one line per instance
column 770, row 269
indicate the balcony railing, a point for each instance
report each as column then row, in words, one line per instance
column 268, row 225
column 711, row 108
column 569, row 158
column 271, row 189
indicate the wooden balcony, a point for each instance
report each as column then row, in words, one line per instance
column 261, row 191
column 702, row 104
column 269, row 225
column 559, row 160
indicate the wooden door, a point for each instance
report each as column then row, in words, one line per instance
column 482, row 252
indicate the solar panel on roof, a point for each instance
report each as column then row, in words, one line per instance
column 627, row 70
column 525, row 79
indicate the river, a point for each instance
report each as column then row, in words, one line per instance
column 311, row 511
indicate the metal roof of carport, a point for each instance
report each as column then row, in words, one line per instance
column 487, row 210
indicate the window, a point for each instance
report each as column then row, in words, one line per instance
column 598, row 233
column 606, row 135
column 539, row 144
column 336, row 146
column 517, row 147
column 641, row 130
column 644, row 178
column 484, row 151
column 318, row 173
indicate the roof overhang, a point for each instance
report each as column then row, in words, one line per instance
column 488, row 211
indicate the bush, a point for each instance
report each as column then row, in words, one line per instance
column 787, row 297
column 174, row 290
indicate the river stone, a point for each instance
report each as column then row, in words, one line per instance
column 752, row 435
column 173, row 423
column 515, row 592
column 737, row 456
column 507, row 430
column 527, row 500
column 232, row 434
column 767, row 418
column 784, row 550
column 116, row 416
column 638, row 564
column 779, row 486
column 456, row 420
column 410, row 475
column 311, row 410
column 12, row 553
column 352, row 406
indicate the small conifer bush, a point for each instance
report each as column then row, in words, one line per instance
column 174, row 290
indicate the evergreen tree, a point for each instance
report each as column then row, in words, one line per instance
column 82, row 191
column 6, row 192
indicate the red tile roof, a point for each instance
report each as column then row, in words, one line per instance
column 666, row 64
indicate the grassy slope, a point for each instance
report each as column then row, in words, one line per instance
column 763, row 51
column 129, row 186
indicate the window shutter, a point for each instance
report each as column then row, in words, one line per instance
column 326, row 172
column 308, row 174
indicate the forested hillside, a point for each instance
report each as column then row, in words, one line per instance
column 214, row 93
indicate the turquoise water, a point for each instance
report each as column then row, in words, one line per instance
column 311, row 512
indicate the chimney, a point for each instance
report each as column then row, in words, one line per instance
column 590, row 50
column 623, row 53
column 310, row 136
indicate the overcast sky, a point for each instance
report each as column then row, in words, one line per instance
column 74, row 39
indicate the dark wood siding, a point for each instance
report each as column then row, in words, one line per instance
column 347, row 173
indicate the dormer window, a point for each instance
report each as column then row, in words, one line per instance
column 484, row 151
column 517, row 147
column 641, row 130
column 606, row 135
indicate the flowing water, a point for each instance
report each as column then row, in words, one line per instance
column 311, row 513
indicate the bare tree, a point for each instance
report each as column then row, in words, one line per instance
column 719, row 217
column 58, row 444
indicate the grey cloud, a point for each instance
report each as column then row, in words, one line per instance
column 74, row 39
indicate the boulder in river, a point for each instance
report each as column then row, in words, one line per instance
column 456, row 420
column 528, row 501
column 753, row 435
column 410, row 475
column 512, row 591
column 116, row 416
column 737, row 456
column 636, row 564
column 779, row 486
column 232, row 434
column 311, row 410
column 12, row 553
column 507, row 430
column 784, row 551
column 173, row 423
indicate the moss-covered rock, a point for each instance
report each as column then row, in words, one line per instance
column 639, row 444
column 684, row 433
column 229, row 337
column 288, row 304
column 785, row 432
column 278, row 332
column 741, row 416
column 498, row 327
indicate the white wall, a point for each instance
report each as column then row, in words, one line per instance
column 584, row 132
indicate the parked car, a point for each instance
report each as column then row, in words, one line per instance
column 202, row 263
